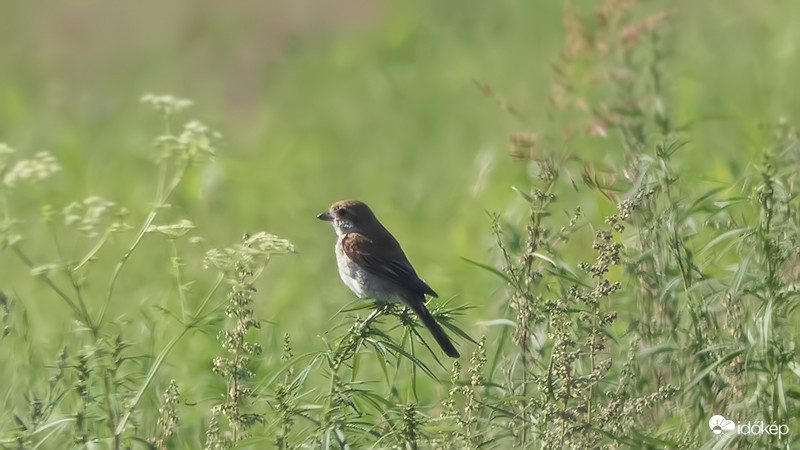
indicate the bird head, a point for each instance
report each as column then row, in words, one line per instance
column 350, row 216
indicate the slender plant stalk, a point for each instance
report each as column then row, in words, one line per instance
column 162, row 356
column 161, row 199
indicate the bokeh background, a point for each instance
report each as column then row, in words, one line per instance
column 322, row 101
column 316, row 102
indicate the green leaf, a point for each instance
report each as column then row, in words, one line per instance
column 524, row 195
column 489, row 269
column 711, row 367
column 545, row 258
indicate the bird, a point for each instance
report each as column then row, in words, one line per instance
column 372, row 264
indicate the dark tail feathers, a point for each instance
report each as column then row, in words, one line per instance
column 430, row 323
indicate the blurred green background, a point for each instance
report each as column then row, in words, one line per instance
column 317, row 103
column 322, row 101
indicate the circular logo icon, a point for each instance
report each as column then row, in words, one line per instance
column 718, row 424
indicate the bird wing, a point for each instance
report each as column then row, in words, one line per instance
column 385, row 259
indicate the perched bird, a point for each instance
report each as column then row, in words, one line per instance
column 372, row 264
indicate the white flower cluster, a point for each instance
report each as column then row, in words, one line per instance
column 264, row 242
column 41, row 166
column 175, row 230
column 259, row 245
column 198, row 138
column 166, row 104
column 5, row 149
column 87, row 215
column 194, row 141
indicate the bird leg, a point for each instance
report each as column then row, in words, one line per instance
column 379, row 308
column 372, row 316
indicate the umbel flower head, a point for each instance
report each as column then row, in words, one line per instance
column 41, row 166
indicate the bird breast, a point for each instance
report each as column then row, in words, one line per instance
column 361, row 282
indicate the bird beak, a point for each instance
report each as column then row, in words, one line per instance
column 326, row 216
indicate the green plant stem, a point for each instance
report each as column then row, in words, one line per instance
column 592, row 363
column 89, row 256
column 343, row 351
column 109, row 409
column 162, row 356
column 75, row 285
column 161, row 198
column 176, row 267
column 78, row 312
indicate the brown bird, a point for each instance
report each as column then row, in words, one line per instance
column 372, row 264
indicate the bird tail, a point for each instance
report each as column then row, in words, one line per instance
column 430, row 323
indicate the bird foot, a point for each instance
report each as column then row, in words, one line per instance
column 372, row 316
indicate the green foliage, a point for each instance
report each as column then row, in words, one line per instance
column 242, row 266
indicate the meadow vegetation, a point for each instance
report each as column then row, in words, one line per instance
column 604, row 194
